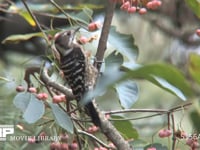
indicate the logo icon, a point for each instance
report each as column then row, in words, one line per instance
column 5, row 130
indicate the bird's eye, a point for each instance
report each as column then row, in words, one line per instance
column 68, row 33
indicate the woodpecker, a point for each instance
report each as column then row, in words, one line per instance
column 79, row 73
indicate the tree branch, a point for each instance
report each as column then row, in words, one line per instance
column 104, row 33
column 44, row 77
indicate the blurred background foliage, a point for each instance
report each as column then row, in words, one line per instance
column 167, row 35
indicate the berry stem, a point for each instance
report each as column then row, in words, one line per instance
column 174, row 136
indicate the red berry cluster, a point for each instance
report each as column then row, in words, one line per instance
column 63, row 144
column 192, row 141
column 42, row 96
column 194, row 145
column 92, row 130
column 132, row 6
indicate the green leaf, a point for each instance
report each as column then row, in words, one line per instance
column 109, row 77
column 195, row 6
column 114, row 58
column 163, row 75
column 128, row 93
column 32, row 108
column 138, row 144
column 62, row 118
column 170, row 87
column 125, row 128
column 34, row 111
column 195, row 118
column 194, row 66
column 21, row 100
column 85, row 15
column 20, row 37
column 27, row 17
column 123, row 43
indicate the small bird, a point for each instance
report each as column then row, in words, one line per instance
column 79, row 73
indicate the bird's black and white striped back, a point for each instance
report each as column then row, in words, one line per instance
column 73, row 65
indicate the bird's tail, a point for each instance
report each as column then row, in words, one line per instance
column 93, row 113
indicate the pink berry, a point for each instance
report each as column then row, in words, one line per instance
column 151, row 148
column 107, row 116
column 42, row 96
column 62, row 97
column 168, row 132
column 93, row 129
column 149, row 5
column 20, row 88
column 90, row 130
column 73, row 146
column 189, row 141
column 125, row 5
column 57, row 99
column 132, row 9
column 55, row 146
column 32, row 90
column 198, row 32
column 111, row 145
column 161, row 134
column 83, row 40
column 196, row 144
column 158, row 3
column 183, row 135
column 142, row 11
column 39, row 96
column 45, row 96
column 64, row 146
column 164, row 133
column 102, row 148
column 92, row 26
column 31, row 140
column 153, row 4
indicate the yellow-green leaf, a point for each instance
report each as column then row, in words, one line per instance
column 20, row 37
column 194, row 5
column 194, row 66
column 28, row 18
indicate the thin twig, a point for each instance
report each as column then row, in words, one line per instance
column 60, row 9
column 149, row 110
column 136, row 111
column 94, row 138
column 35, row 20
column 174, row 136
